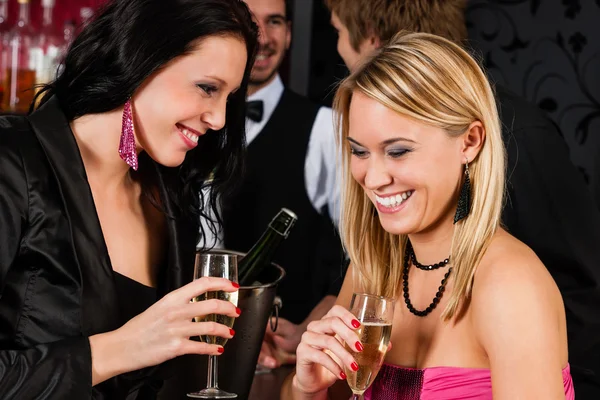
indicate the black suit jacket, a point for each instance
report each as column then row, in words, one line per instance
column 56, row 280
column 550, row 208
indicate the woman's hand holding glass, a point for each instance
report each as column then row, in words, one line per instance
column 216, row 265
column 321, row 356
column 365, row 331
column 376, row 315
column 163, row 331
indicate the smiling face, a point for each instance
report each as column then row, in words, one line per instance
column 187, row 97
column 274, row 39
column 409, row 170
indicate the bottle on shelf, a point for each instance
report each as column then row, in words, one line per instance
column 4, row 29
column 45, row 51
column 86, row 14
column 19, row 78
column 261, row 254
column 68, row 33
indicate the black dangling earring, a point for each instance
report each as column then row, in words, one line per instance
column 464, row 198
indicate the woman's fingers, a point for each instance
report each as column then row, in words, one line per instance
column 311, row 355
column 200, row 286
column 330, row 343
column 336, row 326
column 320, row 336
column 192, row 347
column 349, row 319
column 201, row 308
column 207, row 329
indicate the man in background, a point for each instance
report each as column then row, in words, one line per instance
column 291, row 164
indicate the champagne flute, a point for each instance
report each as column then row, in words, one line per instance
column 223, row 266
column 375, row 314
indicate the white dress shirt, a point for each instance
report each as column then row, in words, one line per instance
column 320, row 165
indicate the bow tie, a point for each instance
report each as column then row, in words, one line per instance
column 254, row 110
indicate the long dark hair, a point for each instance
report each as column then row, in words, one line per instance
column 127, row 42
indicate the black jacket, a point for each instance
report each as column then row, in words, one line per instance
column 550, row 208
column 56, row 280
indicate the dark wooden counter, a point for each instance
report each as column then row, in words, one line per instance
column 267, row 386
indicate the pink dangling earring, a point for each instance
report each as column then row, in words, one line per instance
column 127, row 142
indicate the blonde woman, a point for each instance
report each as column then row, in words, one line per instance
column 478, row 315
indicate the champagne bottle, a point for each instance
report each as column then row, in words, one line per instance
column 261, row 254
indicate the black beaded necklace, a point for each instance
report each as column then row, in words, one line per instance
column 417, row 264
column 410, row 254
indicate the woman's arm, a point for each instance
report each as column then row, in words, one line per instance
column 291, row 390
column 68, row 369
column 518, row 317
column 56, row 370
column 288, row 391
column 60, row 370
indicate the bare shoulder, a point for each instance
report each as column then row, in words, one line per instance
column 512, row 284
column 511, row 268
column 518, row 318
column 513, row 289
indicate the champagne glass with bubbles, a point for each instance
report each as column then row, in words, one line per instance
column 219, row 265
column 375, row 314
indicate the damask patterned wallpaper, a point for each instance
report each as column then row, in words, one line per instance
column 549, row 52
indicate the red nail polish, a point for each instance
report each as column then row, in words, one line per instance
column 343, row 375
column 235, row 285
column 358, row 346
column 238, row 311
column 355, row 324
column 354, row 366
column 231, row 332
column 222, row 349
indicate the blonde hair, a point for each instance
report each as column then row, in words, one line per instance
column 434, row 81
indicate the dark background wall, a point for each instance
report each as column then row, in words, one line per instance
column 545, row 50
column 549, row 52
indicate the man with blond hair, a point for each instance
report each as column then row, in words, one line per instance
column 548, row 205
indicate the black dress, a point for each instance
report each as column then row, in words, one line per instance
column 134, row 299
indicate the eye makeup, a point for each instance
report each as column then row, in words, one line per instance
column 397, row 152
column 207, row 88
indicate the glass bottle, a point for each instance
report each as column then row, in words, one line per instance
column 86, row 14
column 45, row 52
column 19, row 79
column 4, row 29
column 261, row 254
column 68, row 33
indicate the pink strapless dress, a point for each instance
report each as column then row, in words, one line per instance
column 440, row 383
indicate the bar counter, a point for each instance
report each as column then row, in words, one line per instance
column 267, row 386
